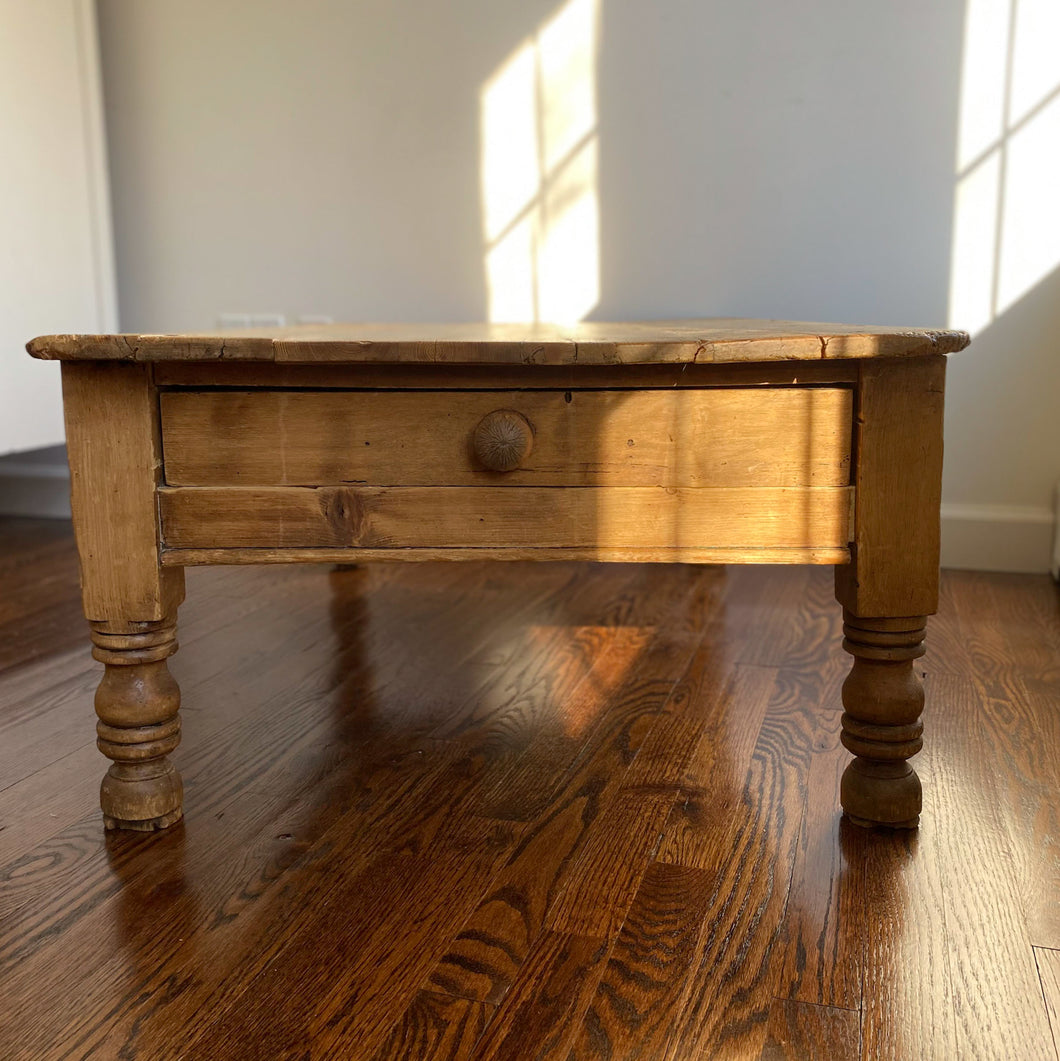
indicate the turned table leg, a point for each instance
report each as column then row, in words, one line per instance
column 130, row 599
column 890, row 585
column 883, row 699
column 137, row 703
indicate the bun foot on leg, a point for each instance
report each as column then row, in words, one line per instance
column 139, row 725
column 883, row 699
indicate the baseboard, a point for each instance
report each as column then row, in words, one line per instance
column 997, row 537
column 31, row 489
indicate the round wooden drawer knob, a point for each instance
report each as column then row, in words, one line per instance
column 503, row 440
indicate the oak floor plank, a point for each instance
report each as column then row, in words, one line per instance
column 534, row 721
column 946, row 648
column 58, row 866
column 525, row 791
column 602, row 883
column 824, row 917
column 749, row 849
column 647, row 967
column 490, row 950
column 452, row 632
column 524, row 712
column 1010, row 625
column 42, row 805
column 1009, row 621
column 908, row 1004
column 982, row 889
column 1048, row 962
column 907, row 979
column 436, row 1027
column 507, row 666
column 356, row 977
column 1024, row 733
column 40, row 606
column 939, row 901
column 486, row 957
column 800, row 1031
column 566, row 642
column 526, row 664
column 790, row 623
column 705, row 818
column 36, row 701
column 697, row 743
column 541, row 1014
column 242, row 880
column 272, row 886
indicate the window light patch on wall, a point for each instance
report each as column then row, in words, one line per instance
column 540, row 210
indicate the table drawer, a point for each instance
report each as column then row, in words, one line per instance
column 678, row 438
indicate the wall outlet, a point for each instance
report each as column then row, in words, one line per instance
column 231, row 321
column 228, row 321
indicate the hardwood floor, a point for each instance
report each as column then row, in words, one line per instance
column 481, row 811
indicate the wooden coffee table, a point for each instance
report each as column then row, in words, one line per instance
column 713, row 441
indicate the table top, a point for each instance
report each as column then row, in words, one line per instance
column 720, row 340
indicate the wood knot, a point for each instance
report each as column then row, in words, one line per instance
column 502, row 440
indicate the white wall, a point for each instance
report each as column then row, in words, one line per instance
column 56, row 272
column 767, row 158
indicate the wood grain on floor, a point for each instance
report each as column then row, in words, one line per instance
column 553, row 811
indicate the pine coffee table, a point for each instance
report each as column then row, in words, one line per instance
column 711, row 441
